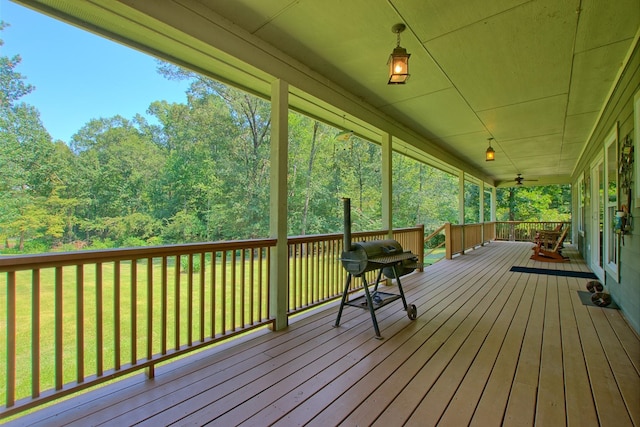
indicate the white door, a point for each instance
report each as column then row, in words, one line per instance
column 597, row 217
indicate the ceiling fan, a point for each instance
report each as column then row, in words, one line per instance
column 520, row 178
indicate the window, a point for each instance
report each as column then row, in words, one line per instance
column 611, row 238
column 636, row 124
column 580, row 186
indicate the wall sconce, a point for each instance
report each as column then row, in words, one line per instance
column 490, row 154
column 398, row 60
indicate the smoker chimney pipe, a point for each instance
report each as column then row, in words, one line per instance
column 346, row 244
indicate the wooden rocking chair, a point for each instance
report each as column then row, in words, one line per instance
column 544, row 251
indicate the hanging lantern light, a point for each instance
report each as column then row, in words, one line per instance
column 490, row 154
column 398, row 60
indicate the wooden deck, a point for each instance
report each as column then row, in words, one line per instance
column 490, row 347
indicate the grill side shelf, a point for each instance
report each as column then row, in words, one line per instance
column 392, row 259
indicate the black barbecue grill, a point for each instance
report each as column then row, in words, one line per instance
column 386, row 256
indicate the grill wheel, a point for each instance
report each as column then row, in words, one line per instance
column 412, row 312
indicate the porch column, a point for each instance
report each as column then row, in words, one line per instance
column 481, row 201
column 461, row 198
column 494, row 197
column 481, row 212
column 461, row 206
column 387, row 184
column 279, row 268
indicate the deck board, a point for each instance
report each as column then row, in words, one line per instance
column 579, row 402
column 489, row 347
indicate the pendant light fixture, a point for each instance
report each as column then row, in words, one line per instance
column 398, row 60
column 490, row 154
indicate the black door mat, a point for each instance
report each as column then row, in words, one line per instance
column 585, row 297
column 580, row 274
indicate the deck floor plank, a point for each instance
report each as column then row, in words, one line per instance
column 610, row 407
column 490, row 347
column 491, row 407
column 465, row 400
column 435, row 354
column 627, row 379
column 580, row 407
column 522, row 398
column 435, row 402
column 550, row 402
column 627, row 336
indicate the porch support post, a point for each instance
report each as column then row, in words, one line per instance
column 494, row 197
column 279, row 268
column 481, row 201
column 387, row 184
column 481, row 211
column 461, row 206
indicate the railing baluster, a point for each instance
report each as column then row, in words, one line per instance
column 35, row 333
column 318, row 286
column 293, row 270
column 260, row 284
column 243, row 253
column 11, row 339
column 164, row 296
column 99, row 322
column 234, row 290
column 252, row 266
column 214, row 262
column 325, row 271
column 58, row 328
column 80, row 324
column 300, row 277
column 190, row 299
column 176, row 305
column 149, row 308
column 202, row 295
column 116, row 314
column 134, row 311
column 223, row 289
column 267, row 275
column 309, row 274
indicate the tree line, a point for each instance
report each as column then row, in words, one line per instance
column 199, row 172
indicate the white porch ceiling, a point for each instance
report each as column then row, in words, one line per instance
column 534, row 74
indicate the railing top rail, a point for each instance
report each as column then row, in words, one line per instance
column 60, row 259
column 57, row 259
column 533, row 222
column 333, row 236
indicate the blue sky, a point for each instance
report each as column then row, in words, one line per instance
column 79, row 76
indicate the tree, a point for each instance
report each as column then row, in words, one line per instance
column 32, row 175
column 117, row 164
column 539, row 203
column 239, row 141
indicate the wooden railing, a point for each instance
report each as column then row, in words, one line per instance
column 76, row 319
column 467, row 236
column 73, row 320
column 460, row 238
column 525, row 231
